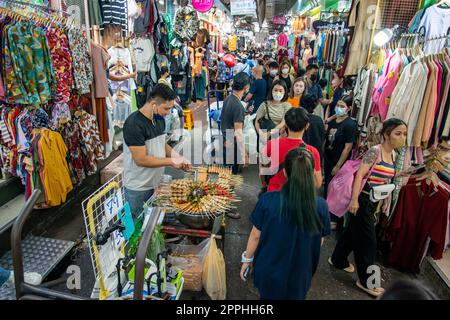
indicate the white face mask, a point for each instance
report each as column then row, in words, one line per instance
column 277, row 96
column 273, row 73
column 285, row 71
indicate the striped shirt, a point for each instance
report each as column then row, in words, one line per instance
column 382, row 173
column 115, row 12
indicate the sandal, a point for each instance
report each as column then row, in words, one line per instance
column 349, row 269
column 234, row 215
column 376, row 292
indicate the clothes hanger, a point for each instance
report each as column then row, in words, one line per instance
column 429, row 177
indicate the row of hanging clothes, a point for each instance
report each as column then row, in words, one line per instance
column 38, row 144
column 43, row 59
column 403, row 82
column 302, row 52
column 331, row 45
column 48, row 140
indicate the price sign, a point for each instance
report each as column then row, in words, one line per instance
column 112, row 205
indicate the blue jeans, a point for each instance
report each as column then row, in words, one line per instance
column 4, row 275
column 136, row 199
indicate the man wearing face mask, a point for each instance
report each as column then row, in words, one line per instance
column 232, row 122
column 270, row 76
column 313, row 88
column 146, row 153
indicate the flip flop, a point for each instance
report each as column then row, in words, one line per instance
column 377, row 292
column 349, row 269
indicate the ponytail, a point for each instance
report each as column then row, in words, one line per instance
column 298, row 196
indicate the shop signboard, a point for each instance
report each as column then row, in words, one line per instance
column 202, row 5
column 279, row 20
column 243, row 7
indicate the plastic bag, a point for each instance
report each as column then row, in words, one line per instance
column 214, row 276
column 251, row 138
column 189, row 258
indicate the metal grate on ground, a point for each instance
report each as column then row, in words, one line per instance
column 100, row 212
column 40, row 255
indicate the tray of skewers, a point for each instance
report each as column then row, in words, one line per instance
column 197, row 203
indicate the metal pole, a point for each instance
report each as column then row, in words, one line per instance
column 369, row 54
column 88, row 35
column 16, row 241
column 142, row 254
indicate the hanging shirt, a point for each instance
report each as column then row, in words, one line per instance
column 436, row 22
column 115, row 12
column 62, row 63
column 30, row 73
column 100, row 58
column 144, row 50
column 381, row 94
column 419, row 222
column 55, row 171
column 282, row 40
column 81, row 59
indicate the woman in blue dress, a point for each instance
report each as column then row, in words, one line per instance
column 288, row 226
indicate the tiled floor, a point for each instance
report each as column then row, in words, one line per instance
column 444, row 265
column 10, row 210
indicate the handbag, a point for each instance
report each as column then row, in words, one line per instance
column 378, row 193
column 267, row 123
column 340, row 188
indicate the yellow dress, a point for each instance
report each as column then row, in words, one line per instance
column 55, row 172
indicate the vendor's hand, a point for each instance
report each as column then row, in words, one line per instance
column 354, row 206
column 335, row 170
column 245, row 265
column 181, row 163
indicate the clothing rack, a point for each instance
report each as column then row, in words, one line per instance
column 34, row 5
column 89, row 38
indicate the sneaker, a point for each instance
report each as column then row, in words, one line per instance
column 33, row 278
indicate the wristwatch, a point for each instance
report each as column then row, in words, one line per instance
column 245, row 259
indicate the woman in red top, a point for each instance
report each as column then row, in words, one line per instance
column 297, row 122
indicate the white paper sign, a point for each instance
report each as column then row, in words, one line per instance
column 112, row 205
column 242, row 7
column 109, row 256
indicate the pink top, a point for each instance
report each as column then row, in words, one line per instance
column 282, row 40
column 385, row 85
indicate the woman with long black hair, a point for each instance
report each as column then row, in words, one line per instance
column 288, row 225
column 360, row 234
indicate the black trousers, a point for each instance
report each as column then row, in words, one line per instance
column 222, row 86
column 233, row 161
column 359, row 237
